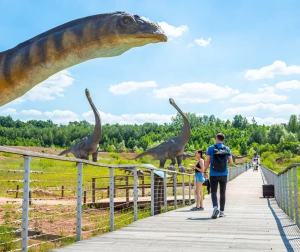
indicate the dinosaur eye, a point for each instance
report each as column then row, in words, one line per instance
column 127, row 20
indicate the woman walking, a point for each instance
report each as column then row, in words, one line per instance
column 199, row 169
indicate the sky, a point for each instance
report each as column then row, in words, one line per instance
column 225, row 58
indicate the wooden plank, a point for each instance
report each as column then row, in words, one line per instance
column 252, row 223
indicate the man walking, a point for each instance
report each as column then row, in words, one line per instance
column 218, row 158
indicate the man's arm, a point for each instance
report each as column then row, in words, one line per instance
column 230, row 160
column 207, row 163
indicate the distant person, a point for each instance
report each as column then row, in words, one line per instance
column 218, row 158
column 199, row 169
column 246, row 166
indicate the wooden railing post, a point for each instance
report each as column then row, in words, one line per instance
column 143, row 183
column 175, row 190
column 135, row 193
column 17, row 191
column 93, row 190
column 62, row 191
column 165, row 192
column 127, row 188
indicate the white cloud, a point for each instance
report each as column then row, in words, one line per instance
column 288, row 85
column 202, row 42
column 268, row 72
column 265, row 94
column 128, row 87
column 31, row 112
column 9, row 111
column 195, row 92
column 62, row 116
column 267, row 109
column 51, row 88
column 267, row 120
column 172, row 31
column 190, row 45
column 128, row 118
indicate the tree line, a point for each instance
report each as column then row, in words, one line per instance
column 241, row 136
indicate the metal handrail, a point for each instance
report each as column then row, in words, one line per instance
column 285, row 189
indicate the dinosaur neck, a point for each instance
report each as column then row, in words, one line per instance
column 97, row 129
column 186, row 129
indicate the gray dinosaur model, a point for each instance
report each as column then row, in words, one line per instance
column 172, row 148
column 89, row 144
column 104, row 35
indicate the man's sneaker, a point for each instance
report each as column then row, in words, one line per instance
column 215, row 213
column 222, row 214
column 195, row 209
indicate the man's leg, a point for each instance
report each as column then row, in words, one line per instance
column 213, row 190
column 223, row 181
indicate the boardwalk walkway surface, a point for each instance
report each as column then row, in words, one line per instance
column 252, row 223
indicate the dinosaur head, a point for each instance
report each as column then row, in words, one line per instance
column 87, row 93
column 126, row 31
column 171, row 101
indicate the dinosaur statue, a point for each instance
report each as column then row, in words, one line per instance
column 234, row 157
column 173, row 147
column 89, row 144
column 103, row 35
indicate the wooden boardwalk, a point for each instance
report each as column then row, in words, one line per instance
column 252, row 223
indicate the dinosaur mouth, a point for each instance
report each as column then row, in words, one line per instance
column 157, row 36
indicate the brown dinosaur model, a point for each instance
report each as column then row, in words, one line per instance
column 104, row 35
column 89, row 144
column 173, row 147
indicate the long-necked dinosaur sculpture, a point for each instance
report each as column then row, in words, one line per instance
column 89, row 144
column 104, row 35
column 172, row 148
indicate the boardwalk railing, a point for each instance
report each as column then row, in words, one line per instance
column 286, row 189
column 48, row 201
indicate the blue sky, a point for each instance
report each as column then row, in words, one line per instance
column 222, row 57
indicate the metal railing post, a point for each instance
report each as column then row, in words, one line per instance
column 79, row 202
column 152, row 192
column 25, row 204
column 183, row 199
column 290, row 194
column 286, row 193
column 111, row 198
column 135, row 194
column 280, row 190
column 190, row 188
column 296, row 196
column 175, row 190
column 165, row 192
column 195, row 195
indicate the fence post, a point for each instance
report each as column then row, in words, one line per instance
column 127, row 189
column 165, row 192
column 135, row 193
column 143, row 186
column 111, row 198
column 296, row 196
column 62, row 191
column 190, row 188
column 152, row 192
column 183, row 199
column 175, row 190
column 84, row 197
column 79, row 201
column 25, row 204
column 93, row 190
column 17, row 192
column 291, row 193
column 195, row 195
column 286, row 192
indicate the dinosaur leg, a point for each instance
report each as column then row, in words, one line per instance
column 181, row 167
column 172, row 165
column 94, row 155
column 162, row 163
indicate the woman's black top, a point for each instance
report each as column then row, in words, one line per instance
column 198, row 166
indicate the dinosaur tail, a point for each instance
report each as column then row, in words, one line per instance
column 64, row 152
column 141, row 154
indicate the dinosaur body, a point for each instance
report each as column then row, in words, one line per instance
column 173, row 148
column 89, row 144
column 104, row 35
